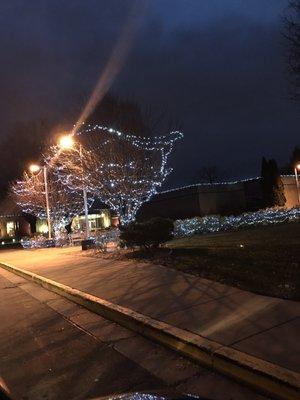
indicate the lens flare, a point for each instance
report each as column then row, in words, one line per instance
column 115, row 62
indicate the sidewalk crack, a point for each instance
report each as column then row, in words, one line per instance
column 263, row 331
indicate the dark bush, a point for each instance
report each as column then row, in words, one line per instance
column 149, row 234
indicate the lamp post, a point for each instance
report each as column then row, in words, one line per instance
column 67, row 142
column 297, row 168
column 86, row 212
column 33, row 168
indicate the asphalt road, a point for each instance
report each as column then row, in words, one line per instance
column 52, row 349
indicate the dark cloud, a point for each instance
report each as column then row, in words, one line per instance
column 217, row 66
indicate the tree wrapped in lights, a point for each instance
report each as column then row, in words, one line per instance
column 64, row 203
column 73, row 166
column 121, row 170
column 127, row 169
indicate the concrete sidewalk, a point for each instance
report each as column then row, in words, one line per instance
column 45, row 356
column 52, row 348
column 265, row 327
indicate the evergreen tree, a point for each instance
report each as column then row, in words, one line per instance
column 278, row 196
column 289, row 167
column 266, row 183
column 272, row 185
column 295, row 159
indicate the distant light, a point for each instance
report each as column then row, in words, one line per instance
column 241, row 245
column 34, row 168
column 2, row 243
column 14, row 240
column 298, row 167
column 66, row 142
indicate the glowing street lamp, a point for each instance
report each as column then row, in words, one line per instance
column 297, row 168
column 67, row 142
column 34, row 168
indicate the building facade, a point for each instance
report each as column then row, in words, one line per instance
column 12, row 221
column 196, row 200
column 14, row 224
column 227, row 198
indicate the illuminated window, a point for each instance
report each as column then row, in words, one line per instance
column 96, row 221
column 41, row 226
column 11, row 228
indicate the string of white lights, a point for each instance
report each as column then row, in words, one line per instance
column 149, row 143
column 194, row 185
column 217, row 223
column 122, row 179
column 30, row 196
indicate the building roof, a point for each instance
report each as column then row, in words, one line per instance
column 96, row 206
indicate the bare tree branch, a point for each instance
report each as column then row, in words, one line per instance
column 291, row 33
column 29, row 194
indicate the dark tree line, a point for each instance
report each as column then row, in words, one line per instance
column 289, row 167
column 272, row 185
column 129, row 116
column 20, row 146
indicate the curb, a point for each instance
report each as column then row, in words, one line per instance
column 269, row 378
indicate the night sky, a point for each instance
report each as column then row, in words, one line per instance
column 217, row 66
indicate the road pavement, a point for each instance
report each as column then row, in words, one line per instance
column 53, row 349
